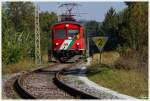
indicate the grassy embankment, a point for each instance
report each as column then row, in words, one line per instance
column 128, row 81
column 24, row 65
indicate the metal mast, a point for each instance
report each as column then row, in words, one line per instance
column 37, row 36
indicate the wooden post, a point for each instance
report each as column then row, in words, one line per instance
column 101, row 57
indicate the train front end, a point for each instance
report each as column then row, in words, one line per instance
column 68, row 41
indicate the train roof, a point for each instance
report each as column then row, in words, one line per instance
column 73, row 22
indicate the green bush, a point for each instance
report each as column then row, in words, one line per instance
column 11, row 53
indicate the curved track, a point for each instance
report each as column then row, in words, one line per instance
column 72, row 91
column 47, row 84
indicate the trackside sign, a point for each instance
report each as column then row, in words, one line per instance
column 100, row 42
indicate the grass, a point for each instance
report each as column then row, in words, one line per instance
column 106, row 57
column 23, row 65
column 128, row 82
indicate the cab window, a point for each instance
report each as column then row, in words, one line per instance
column 72, row 33
column 60, row 34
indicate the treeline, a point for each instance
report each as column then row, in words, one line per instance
column 131, row 26
column 18, row 31
column 128, row 30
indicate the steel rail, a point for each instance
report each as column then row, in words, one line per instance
column 71, row 90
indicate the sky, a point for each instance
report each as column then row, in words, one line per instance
column 94, row 10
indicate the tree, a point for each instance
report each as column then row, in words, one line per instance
column 92, row 27
column 110, row 23
column 46, row 21
column 138, row 24
column 18, row 33
column 22, row 15
column 18, row 30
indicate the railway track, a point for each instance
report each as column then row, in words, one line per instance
column 46, row 83
column 71, row 90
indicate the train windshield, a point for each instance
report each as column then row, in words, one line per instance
column 72, row 33
column 61, row 34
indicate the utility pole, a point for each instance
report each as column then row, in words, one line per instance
column 37, row 36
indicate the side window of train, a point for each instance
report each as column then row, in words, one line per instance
column 60, row 34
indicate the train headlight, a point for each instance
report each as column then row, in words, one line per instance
column 78, row 43
column 67, row 25
column 57, row 43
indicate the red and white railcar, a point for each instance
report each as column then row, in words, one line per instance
column 68, row 40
